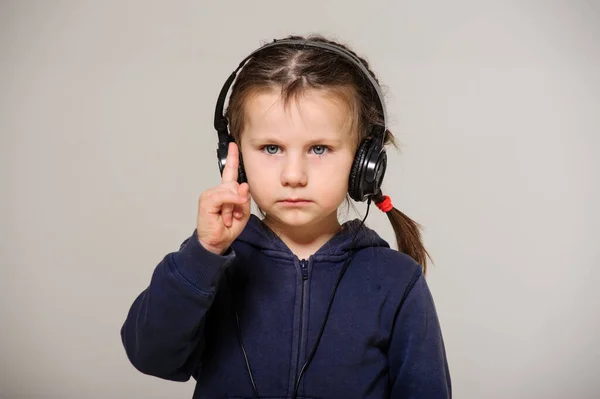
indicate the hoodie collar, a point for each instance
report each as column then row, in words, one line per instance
column 259, row 235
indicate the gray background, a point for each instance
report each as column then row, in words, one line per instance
column 106, row 126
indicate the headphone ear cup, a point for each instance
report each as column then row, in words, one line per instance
column 241, row 171
column 222, row 151
column 354, row 182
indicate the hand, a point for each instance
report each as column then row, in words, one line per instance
column 224, row 210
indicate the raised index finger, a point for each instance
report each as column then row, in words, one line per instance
column 230, row 171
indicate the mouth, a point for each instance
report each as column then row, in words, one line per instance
column 295, row 201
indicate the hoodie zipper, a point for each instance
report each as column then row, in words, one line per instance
column 304, row 270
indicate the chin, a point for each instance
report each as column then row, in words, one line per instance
column 293, row 218
column 296, row 217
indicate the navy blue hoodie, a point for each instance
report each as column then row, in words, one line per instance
column 382, row 339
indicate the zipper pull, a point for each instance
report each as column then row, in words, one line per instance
column 304, row 268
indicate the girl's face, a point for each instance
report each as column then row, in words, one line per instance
column 298, row 158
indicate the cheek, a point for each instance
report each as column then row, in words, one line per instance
column 257, row 174
column 333, row 177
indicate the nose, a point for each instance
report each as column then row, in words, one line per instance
column 293, row 172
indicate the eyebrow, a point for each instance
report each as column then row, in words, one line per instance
column 276, row 140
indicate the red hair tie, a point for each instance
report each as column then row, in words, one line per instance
column 385, row 205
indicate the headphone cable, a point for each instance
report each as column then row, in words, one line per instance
column 239, row 336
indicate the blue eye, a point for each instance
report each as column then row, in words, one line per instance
column 271, row 149
column 319, row 149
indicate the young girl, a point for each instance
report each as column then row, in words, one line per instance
column 294, row 304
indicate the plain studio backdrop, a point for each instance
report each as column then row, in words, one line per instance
column 106, row 114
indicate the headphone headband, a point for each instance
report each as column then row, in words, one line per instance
column 220, row 121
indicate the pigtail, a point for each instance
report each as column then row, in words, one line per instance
column 407, row 231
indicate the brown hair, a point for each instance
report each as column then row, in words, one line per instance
column 293, row 70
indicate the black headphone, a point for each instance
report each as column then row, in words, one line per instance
column 370, row 160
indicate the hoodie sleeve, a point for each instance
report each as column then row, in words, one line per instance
column 417, row 355
column 163, row 331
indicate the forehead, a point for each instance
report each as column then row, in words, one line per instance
column 313, row 113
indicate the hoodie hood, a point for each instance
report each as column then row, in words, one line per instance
column 257, row 234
